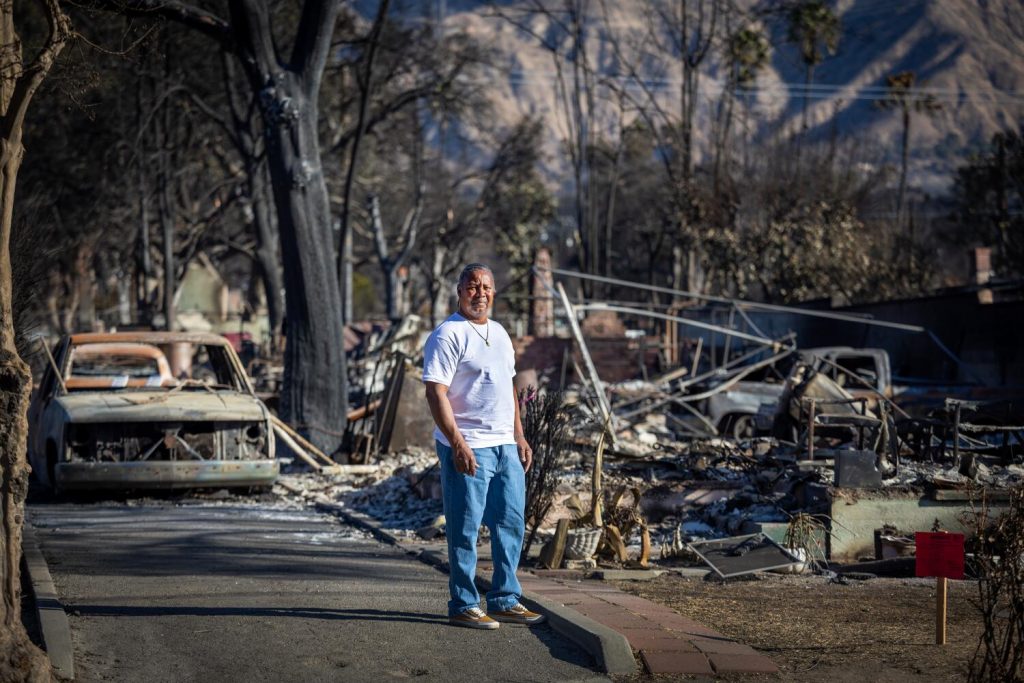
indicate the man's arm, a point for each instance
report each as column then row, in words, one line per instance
column 444, row 418
column 525, row 452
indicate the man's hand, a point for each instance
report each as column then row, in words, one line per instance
column 525, row 453
column 465, row 461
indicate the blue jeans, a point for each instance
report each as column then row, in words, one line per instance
column 496, row 496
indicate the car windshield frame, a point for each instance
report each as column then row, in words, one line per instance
column 179, row 365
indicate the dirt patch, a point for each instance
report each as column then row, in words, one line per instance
column 876, row 630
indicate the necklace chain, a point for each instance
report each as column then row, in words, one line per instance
column 488, row 337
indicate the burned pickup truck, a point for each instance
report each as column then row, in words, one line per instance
column 747, row 408
column 145, row 410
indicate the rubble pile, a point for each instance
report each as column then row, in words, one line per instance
column 402, row 491
column 740, row 434
column 404, row 502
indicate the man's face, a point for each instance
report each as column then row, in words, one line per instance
column 476, row 295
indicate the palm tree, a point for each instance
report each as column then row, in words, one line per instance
column 746, row 53
column 901, row 96
column 812, row 25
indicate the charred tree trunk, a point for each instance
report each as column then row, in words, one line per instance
column 143, row 262
column 314, row 396
column 695, row 48
column 165, row 203
column 440, row 294
column 392, row 265
column 314, row 393
column 85, row 283
column 20, row 660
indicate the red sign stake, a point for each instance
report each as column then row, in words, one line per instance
column 940, row 555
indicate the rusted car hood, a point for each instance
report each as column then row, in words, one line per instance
column 149, row 406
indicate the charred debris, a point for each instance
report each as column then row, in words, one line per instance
column 698, row 436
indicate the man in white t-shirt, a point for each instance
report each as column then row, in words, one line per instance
column 468, row 365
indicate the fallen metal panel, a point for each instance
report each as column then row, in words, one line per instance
column 741, row 555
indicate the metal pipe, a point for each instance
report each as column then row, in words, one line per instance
column 953, row 357
column 830, row 315
column 57, row 374
column 746, row 318
column 717, row 389
column 588, row 362
column 684, row 321
column 735, row 361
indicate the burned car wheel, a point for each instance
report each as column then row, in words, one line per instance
column 740, row 427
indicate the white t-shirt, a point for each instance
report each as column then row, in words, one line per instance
column 478, row 377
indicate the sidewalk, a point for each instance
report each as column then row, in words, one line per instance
column 668, row 642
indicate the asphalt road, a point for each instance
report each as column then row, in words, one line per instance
column 232, row 593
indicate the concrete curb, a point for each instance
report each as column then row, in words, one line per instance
column 609, row 647
column 53, row 621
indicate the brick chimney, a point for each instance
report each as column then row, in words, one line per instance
column 981, row 272
column 542, row 306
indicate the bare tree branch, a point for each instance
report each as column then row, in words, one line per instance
column 191, row 16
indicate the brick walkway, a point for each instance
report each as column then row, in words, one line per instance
column 667, row 641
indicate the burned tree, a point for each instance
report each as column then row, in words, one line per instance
column 287, row 87
column 567, row 36
column 687, row 31
column 20, row 661
column 901, row 96
column 390, row 264
column 364, row 79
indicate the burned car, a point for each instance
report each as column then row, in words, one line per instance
column 146, row 410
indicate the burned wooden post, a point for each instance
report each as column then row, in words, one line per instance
column 552, row 552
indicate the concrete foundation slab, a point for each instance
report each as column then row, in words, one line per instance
column 855, row 517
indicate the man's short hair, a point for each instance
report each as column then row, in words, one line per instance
column 472, row 268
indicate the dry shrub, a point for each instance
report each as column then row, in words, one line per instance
column 999, row 560
column 545, row 419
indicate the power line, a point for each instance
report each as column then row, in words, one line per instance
column 872, row 93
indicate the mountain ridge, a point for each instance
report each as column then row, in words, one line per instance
column 967, row 56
